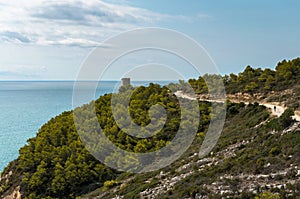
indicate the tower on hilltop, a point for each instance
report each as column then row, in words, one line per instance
column 125, row 81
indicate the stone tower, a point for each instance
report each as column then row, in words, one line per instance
column 125, row 81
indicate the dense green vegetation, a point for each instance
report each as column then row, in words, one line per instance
column 56, row 164
column 285, row 76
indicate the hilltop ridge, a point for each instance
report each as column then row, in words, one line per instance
column 257, row 154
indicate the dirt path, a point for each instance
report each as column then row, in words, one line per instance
column 277, row 110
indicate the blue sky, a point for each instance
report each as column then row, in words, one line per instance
column 49, row 40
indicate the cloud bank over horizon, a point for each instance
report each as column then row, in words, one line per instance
column 22, row 71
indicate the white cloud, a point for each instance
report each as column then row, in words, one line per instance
column 8, row 36
column 70, row 22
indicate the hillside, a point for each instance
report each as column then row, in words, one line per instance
column 250, row 158
column 281, row 85
column 258, row 154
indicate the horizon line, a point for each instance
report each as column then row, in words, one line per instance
column 106, row 80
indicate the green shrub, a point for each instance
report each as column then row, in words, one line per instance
column 109, row 183
column 267, row 195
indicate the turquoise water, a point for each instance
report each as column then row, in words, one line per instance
column 26, row 106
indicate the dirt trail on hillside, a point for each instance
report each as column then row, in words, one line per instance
column 277, row 110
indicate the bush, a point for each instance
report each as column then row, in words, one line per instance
column 286, row 119
column 275, row 151
column 109, row 183
column 267, row 195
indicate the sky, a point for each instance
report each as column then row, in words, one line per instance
column 50, row 40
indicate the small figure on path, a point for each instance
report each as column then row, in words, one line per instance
column 275, row 108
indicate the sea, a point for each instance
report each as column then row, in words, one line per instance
column 26, row 105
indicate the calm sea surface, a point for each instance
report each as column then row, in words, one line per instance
column 26, row 106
